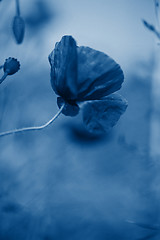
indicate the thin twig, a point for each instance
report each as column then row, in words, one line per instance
column 33, row 128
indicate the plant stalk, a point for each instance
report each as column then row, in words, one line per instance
column 33, row 128
column 17, row 8
column 4, row 77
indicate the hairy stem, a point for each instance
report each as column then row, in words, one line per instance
column 33, row 128
column 4, row 77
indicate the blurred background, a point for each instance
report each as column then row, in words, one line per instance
column 62, row 183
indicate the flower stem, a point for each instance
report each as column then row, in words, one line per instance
column 1, row 66
column 4, row 77
column 17, row 8
column 156, row 3
column 33, row 128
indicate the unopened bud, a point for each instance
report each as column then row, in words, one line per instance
column 18, row 29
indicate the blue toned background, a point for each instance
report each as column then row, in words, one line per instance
column 61, row 183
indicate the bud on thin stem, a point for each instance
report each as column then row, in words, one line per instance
column 18, row 29
column 10, row 67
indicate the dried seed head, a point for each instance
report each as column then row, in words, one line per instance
column 11, row 66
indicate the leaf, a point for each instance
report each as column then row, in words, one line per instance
column 100, row 116
column 151, row 28
column 98, row 74
column 18, row 29
column 146, row 225
column 63, row 61
column 148, row 237
column 70, row 109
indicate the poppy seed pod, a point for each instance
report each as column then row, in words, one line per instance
column 11, row 66
column 18, row 29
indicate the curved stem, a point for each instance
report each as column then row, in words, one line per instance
column 17, row 8
column 33, row 128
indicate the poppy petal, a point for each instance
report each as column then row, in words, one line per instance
column 98, row 74
column 99, row 116
column 63, row 61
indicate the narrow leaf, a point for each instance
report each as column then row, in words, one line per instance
column 148, row 237
column 151, row 28
column 146, row 225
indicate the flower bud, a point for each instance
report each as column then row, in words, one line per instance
column 18, row 29
column 11, row 66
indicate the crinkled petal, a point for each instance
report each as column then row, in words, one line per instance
column 98, row 74
column 63, row 61
column 100, row 116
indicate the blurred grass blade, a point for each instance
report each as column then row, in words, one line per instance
column 151, row 28
column 148, row 237
column 146, row 225
column 157, row 13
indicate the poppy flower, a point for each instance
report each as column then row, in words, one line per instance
column 82, row 78
column 84, row 75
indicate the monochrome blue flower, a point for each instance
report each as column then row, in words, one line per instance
column 82, row 74
column 82, row 78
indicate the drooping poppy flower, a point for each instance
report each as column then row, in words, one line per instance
column 84, row 75
column 82, row 78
